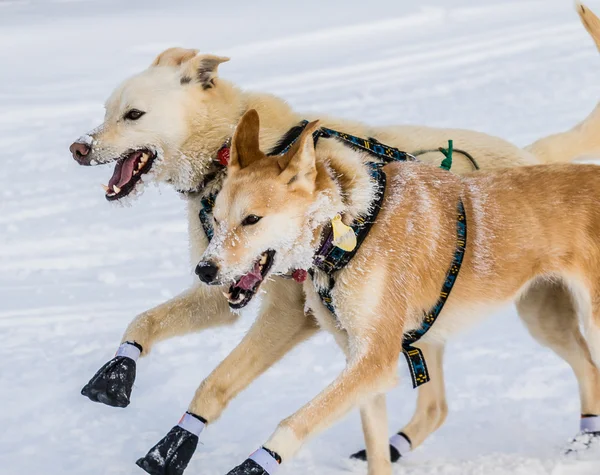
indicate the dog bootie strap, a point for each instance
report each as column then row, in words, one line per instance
column 590, row 424
column 261, row 462
column 173, row 452
column 113, row 383
column 129, row 349
column 400, row 445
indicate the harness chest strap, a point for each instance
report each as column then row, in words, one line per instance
column 414, row 356
column 331, row 259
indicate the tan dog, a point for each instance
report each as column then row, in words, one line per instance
column 167, row 124
column 525, row 227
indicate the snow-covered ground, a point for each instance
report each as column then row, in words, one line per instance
column 75, row 270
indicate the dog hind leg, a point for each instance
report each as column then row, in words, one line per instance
column 550, row 314
column 431, row 410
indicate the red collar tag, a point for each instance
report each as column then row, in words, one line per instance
column 223, row 156
column 299, row 275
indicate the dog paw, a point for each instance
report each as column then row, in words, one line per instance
column 582, row 443
column 171, row 455
column 261, row 462
column 362, row 455
column 249, row 467
column 113, row 383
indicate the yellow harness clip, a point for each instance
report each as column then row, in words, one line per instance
column 343, row 236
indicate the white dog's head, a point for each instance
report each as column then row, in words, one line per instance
column 162, row 124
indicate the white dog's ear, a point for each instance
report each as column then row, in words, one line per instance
column 245, row 147
column 174, row 57
column 299, row 164
column 202, row 70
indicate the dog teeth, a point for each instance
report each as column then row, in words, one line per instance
column 140, row 165
column 116, row 189
column 227, row 295
column 263, row 260
column 106, row 188
column 144, row 158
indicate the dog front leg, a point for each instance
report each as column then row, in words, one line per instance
column 373, row 416
column 370, row 371
column 196, row 309
column 279, row 328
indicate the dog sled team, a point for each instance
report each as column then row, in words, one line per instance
column 355, row 230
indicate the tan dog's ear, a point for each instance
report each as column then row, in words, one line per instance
column 299, row 164
column 245, row 148
column 590, row 21
column 174, row 57
column 202, row 69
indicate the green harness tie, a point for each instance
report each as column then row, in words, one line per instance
column 447, row 162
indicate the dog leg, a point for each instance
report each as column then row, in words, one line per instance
column 196, row 309
column 373, row 415
column 278, row 329
column 432, row 408
column 548, row 311
column 371, row 370
column 430, row 413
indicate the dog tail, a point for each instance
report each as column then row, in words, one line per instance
column 583, row 140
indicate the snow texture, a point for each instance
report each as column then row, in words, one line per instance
column 74, row 270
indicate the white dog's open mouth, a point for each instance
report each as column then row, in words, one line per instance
column 244, row 288
column 128, row 172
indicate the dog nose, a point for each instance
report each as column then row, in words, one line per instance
column 207, row 271
column 79, row 150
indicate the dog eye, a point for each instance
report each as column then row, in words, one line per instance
column 133, row 114
column 251, row 219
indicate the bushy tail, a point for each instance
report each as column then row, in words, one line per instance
column 583, row 140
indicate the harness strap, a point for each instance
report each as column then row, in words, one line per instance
column 444, row 152
column 330, row 258
column 414, row 356
column 372, row 146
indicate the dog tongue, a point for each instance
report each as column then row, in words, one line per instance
column 248, row 281
column 124, row 170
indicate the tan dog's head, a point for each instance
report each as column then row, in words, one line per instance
column 264, row 215
column 150, row 119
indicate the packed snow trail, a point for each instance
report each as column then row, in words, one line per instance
column 75, row 270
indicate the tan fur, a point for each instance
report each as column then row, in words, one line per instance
column 186, row 124
column 526, row 226
column 174, row 57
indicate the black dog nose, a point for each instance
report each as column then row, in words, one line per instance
column 207, row 271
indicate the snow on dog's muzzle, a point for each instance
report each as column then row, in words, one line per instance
column 245, row 287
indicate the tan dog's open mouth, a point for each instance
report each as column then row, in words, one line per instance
column 245, row 287
column 128, row 172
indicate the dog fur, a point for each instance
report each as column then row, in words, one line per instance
column 526, row 226
column 191, row 112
